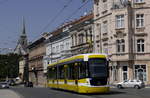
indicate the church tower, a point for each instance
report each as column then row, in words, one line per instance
column 21, row 47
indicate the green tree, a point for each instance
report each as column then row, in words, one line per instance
column 9, row 65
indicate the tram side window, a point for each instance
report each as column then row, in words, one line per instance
column 61, row 72
column 52, row 73
column 82, row 70
column 71, row 71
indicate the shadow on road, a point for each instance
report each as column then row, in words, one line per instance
column 108, row 93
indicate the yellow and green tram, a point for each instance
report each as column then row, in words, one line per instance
column 84, row 73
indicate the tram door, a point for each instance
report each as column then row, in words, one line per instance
column 65, row 74
column 76, row 75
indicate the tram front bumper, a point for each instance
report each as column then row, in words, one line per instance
column 86, row 89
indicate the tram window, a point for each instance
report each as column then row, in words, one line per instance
column 71, row 71
column 82, row 70
column 52, row 73
column 61, row 72
column 97, row 61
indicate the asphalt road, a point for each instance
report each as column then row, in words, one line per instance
column 50, row 93
column 6, row 93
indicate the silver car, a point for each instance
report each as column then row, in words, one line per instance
column 4, row 85
column 131, row 84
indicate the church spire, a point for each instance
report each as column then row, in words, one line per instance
column 24, row 29
column 21, row 47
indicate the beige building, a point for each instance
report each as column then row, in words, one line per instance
column 36, row 71
column 122, row 31
column 21, row 68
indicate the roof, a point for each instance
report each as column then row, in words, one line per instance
column 59, row 31
column 79, row 57
column 37, row 42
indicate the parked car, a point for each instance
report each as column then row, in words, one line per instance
column 131, row 84
column 4, row 85
column 11, row 82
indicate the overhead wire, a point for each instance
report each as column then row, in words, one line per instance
column 69, row 17
column 54, row 18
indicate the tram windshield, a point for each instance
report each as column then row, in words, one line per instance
column 98, row 67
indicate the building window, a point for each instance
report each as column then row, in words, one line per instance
column 80, row 39
column 125, row 72
column 140, row 72
column 139, row 20
column 97, row 10
column 57, row 49
column 67, row 46
column 53, row 50
column 106, row 50
column 105, row 29
column 86, row 35
column 72, row 40
column 140, row 45
column 96, row 7
column 105, row 5
column 75, row 39
column 115, row 72
column 139, row 1
column 120, row 45
column 91, row 37
column 61, row 47
column 120, row 21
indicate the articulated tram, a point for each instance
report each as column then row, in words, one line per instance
column 85, row 73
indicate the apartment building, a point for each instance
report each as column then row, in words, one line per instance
column 72, row 38
column 122, row 31
column 58, row 45
column 82, row 35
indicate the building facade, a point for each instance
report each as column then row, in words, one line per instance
column 57, row 45
column 21, row 68
column 82, row 35
column 122, row 28
column 36, row 71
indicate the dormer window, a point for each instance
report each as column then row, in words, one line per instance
column 65, row 29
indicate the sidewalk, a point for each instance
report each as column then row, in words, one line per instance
column 6, row 93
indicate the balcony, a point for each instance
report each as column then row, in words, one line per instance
column 140, row 34
column 105, row 38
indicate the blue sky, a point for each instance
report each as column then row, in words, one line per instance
column 38, row 14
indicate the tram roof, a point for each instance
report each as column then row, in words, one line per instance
column 80, row 57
